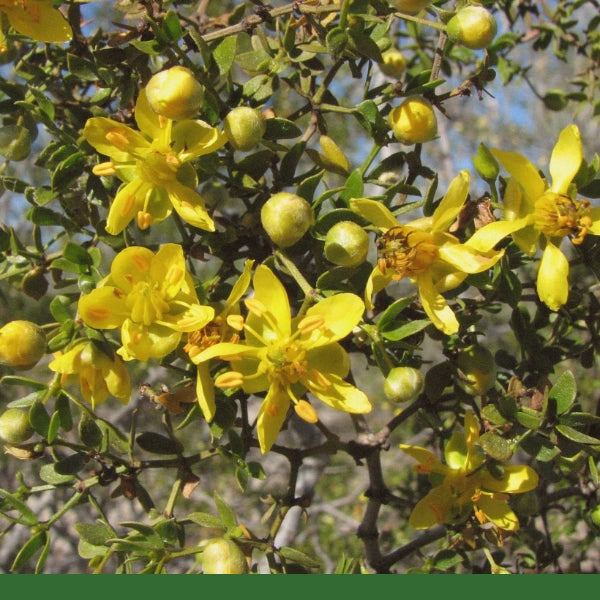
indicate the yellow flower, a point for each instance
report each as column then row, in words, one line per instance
column 285, row 356
column 423, row 250
column 467, row 485
column 154, row 164
column 536, row 213
column 151, row 297
column 37, row 19
column 99, row 375
column 222, row 328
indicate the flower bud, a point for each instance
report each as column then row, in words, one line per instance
column 473, row 27
column 485, row 163
column 346, row 244
column 410, row 7
column 22, row 344
column 244, row 127
column 14, row 426
column 175, row 93
column 286, row 218
column 413, row 122
column 403, row 384
column 223, row 557
column 478, row 370
column 394, row 62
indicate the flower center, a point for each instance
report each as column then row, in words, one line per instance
column 286, row 363
column 406, row 251
column 159, row 168
column 557, row 216
column 147, row 303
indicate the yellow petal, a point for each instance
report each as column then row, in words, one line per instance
column 516, row 479
column 433, row 509
column 196, row 138
column 484, row 239
column 224, row 350
column 456, row 451
column 39, row 20
column 566, row 159
column 435, row 305
column 374, row 212
column 117, row 378
column 498, row 512
column 467, row 260
column 205, row 392
column 552, row 279
column 338, row 394
column 523, row 171
column 331, row 358
column 142, row 343
column 189, row 205
column 126, row 205
column 147, row 120
column 271, row 416
column 425, row 457
column 96, row 130
column 376, row 282
column 240, row 286
column 452, row 203
column 69, row 362
column 131, row 266
column 269, row 290
column 595, row 216
column 103, row 308
column 341, row 314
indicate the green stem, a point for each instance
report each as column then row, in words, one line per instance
column 295, row 273
column 344, row 13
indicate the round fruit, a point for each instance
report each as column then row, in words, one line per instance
column 244, row 127
column 403, row 384
column 223, row 557
column 413, row 122
column 175, row 93
column 473, row 27
column 286, row 218
column 346, row 244
column 14, row 426
column 22, row 344
column 394, row 62
column 478, row 369
column 410, row 7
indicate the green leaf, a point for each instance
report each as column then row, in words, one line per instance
column 49, row 475
column 157, row 443
column 39, row 418
column 227, row 515
column 278, row 129
column 15, row 142
column 81, row 68
column 354, row 187
column 563, row 392
column 540, row 447
column 224, row 54
column 96, row 535
column 89, row 551
column 89, row 432
column 53, row 427
column 70, row 465
column 59, row 308
column 77, row 254
column 298, row 557
column 496, row 446
column 67, row 171
column 63, row 407
column 205, row 520
column 29, row 549
column 576, row 436
column 528, row 420
column 172, row 26
column 405, row 330
column 490, row 413
column 28, row 516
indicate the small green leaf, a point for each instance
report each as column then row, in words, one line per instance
column 540, row 448
column 227, row 515
column 298, row 557
column 496, row 446
column 563, row 392
column 405, row 330
column 77, row 254
column 279, row 129
column 528, row 420
column 490, row 413
column 39, row 418
column 172, row 26
column 70, row 465
column 89, row 433
column 576, row 436
column 59, row 308
column 224, row 54
column 49, row 475
column 29, row 549
column 157, row 443
column 28, row 516
column 205, row 520
column 53, row 427
column 63, row 407
column 97, row 535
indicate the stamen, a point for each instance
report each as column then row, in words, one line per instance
column 104, row 169
column 144, row 220
column 256, row 307
column 230, row 379
column 117, row 138
column 309, row 324
column 235, row 322
column 306, row 411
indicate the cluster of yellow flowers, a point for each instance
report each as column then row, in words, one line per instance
column 151, row 298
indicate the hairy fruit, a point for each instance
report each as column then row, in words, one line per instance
column 22, row 344
column 473, row 27
column 14, row 426
column 244, row 127
column 403, row 384
column 478, row 370
column 223, row 557
column 286, row 218
column 175, row 93
column 346, row 244
column 413, row 121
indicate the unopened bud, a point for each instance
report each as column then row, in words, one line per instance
column 175, row 93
